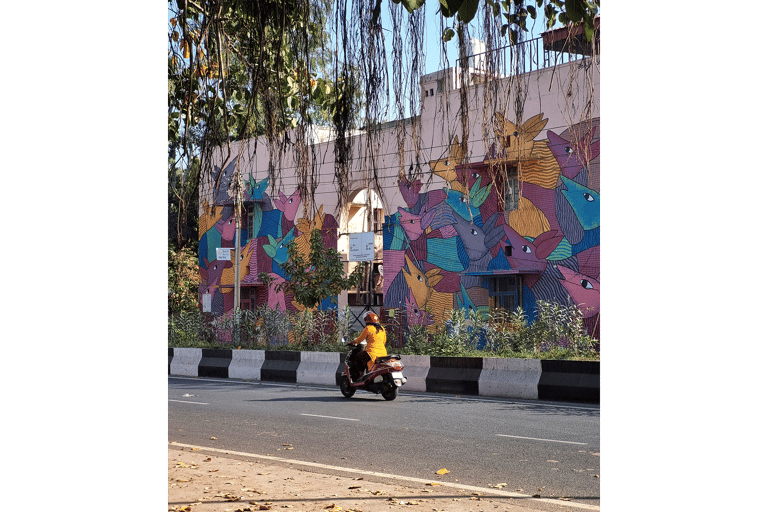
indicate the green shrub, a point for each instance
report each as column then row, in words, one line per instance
column 556, row 333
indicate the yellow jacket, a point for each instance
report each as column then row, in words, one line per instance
column 376, row 343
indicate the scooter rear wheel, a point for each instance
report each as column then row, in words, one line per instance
column 390, row 393
column 346, row 388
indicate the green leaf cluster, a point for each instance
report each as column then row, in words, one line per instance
column 317, row 276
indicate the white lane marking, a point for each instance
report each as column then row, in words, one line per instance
column 358, row 472
column 188, row 402
column 468, row 398
column 330, row 417
column 539, row 439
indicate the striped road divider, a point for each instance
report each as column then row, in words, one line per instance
column 533, row 379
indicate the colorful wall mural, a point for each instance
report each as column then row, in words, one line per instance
column 443, row 249
column 268, row 227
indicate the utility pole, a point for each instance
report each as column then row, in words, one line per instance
column 238, row 190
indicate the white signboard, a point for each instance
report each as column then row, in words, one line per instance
column 361, row 247
column 206, row 303
column 223, row 254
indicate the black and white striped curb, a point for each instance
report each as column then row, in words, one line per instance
column 535, row 379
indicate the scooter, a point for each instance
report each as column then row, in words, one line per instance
column 385, row 377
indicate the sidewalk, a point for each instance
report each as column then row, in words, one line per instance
column 205, row 482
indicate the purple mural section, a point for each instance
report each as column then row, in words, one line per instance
column 495, row 238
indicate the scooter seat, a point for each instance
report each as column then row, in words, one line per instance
column 384, row 358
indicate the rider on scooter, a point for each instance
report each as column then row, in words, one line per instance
column 376, row 338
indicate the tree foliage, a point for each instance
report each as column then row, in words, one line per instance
column 183, row 279
column 319, row 276
column 240, row 68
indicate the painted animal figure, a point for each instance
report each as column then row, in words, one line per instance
column 446, row 167
column 526, row 255
column 413, row 223
column 221, row 179
column 255, row 190
column 535, row 161
column 460, row 204
column 573, row 157
column 211, row 272
column 479, row 244
column 209, row 217
column 585, row 203
column 478, row 241
column 420, row 282
column 228, row 273
column 584, row 290
column 410, row 190
column 415, row 315
column 305, row 227
column 289, row 205
column 277, row 249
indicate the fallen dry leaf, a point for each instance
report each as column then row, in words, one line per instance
column 442, row 471
column 433, row 483
column 213, row 438
column 498, row 486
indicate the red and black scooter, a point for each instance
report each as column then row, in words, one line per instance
column 385, row 378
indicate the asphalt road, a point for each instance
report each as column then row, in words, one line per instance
column 534, row 447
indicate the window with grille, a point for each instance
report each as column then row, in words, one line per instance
column 505, row 292
column 512, row 189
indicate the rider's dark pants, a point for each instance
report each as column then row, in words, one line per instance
column 360, row 364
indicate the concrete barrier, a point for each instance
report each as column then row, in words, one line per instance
column 458, row 375
column 280, row 365
column 502, row 377
column 215, row 363
column 246, row 364
column 185, row 361
column 570, row 380
column 318, row 368
column 416, row 371
column 510, row 378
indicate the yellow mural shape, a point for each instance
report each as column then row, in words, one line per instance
column 306, row 227
column 209, row 218
column 419, row 282
column 228, row 274
column 528, row 220
column 535, row 162
column 446, row 167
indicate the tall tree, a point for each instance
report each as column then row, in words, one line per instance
column 240, row 68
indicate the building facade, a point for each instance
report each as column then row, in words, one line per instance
column 490, row 198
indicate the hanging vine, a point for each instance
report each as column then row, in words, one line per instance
column 240, row 69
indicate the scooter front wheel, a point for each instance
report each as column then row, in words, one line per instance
column 390, row 393
column 346, row 388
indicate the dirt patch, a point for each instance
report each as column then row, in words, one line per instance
column 202, row 482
